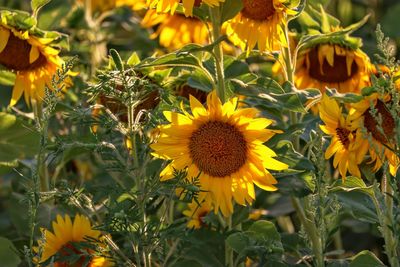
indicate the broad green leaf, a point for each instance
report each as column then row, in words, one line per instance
column 38, row 4
column 230, row 8
column 358, row 205
column 366, row 259
column 346, row 97
column 8, row 255
column 352, row 183
column 18, row 140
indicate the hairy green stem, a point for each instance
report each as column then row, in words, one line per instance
column 385, row 216
column 215, row 14
column 312, row 233
column 41, row 157
column 228, row 249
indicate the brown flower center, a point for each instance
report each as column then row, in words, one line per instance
column 327, row 73
column 186, row 90
column 343, row 135
column 15, row 55
column 218, row 148
column 258, row 9
column 388, row 123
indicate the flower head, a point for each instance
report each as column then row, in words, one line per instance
column 33, row 60
column 347, row 144
column 64, row 241
column 223, row 146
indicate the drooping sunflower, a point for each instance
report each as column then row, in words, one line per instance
column 383, row 133
column 223, row 147
column 333, row 66
column 175, row 31
column 64, row 239
column 260, row 22
column 196, row 213
column 164, row 6
column 33, row 60
column 347, row 145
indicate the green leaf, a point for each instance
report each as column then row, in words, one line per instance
column 133, row 59
column 346, row 97
column 7, row 78
column 38, row 4
column 261, row 238
column 352, row 183
column 230, row 8
column 117, row 59
column 8, row 255
column 366, row 259
column 18, row 139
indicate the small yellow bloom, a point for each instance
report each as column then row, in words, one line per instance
column 196, row 214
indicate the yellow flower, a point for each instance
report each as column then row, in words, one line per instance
column 65, row 234
column 163, row 6
column 333, row 66
column 347, row 144
column 196, row 214
column 175, row 31
column 260, row 23
column 223, row 147
column 134, row 4
column 382, row 142
column 33, row 60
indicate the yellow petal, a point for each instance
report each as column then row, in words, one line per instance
column 4, row 35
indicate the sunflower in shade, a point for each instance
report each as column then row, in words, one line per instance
column 163, row 6
column 71, row 240
column 32, row 58
column 347, row 145
column 261, row 23
column 223, row 146
column 373, row 114
column 175, row 31
column 196, row 212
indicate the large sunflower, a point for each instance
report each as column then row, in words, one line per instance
column 175, row 31
column 347, row 144
column 223, row 147
column 333, row 66
column 33, row 60
column 163, row 6
column 64, row 239
column 260, row 22
column 365, row 114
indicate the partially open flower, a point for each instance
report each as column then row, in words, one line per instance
column 196, row 214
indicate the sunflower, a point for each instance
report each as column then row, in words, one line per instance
column 260, row 22
column 365, row 115
column 196, row 214
column 163, row 6
column 33, row 60
column 64, row 241
column 333, row 66
column 347, row 144
column 175, row 31
column 223, row 147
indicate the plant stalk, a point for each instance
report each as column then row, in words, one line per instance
column 216, row 22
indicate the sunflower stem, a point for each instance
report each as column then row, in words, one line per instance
column 312, row 232
column 41, row 159
column 385, row 215
column 215, row 14
column 228, row 249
